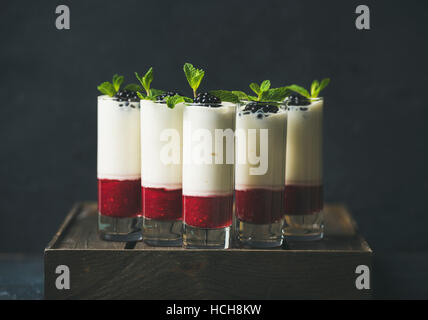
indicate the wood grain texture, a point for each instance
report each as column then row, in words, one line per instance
column 105, row 270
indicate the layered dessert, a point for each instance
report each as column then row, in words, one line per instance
column 259, row 173
column 118, row 165
column 161, row 173
column 208, row 170
column 303, row 178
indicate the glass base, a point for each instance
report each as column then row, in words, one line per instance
column 200, row 238
column 304, row 227
column 119, row 229
column 259, row 235
column 161, row 233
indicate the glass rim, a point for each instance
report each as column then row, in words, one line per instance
column 278, row 103
column 221, row 105
column 108, row 98
column 311, row 100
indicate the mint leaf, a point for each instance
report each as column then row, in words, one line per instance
column 146, row 80
column 194, row 76
column 117, row 82
column 241, row 95
column 314, row 87
column 107, row 88
column 252, row 98
column 324, row 83
column 133, row 87
column 300, row 90
column 171, row 102
column 276, row 94
column 255, row 87
column 141, row 95
column 265, row 86
column 225, row 95
column 138, row 78
column 156, row 92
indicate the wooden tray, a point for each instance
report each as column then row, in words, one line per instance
column 105, row 270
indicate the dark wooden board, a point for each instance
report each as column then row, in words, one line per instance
column 106, row 270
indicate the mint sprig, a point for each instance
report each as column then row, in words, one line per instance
column 133, row 87
column 241, row 95
column 224, row 95
column 146, row 81
column 265, row 93
column 111, row 88
column 275, row 94
column 107, row 88
column 117, row 82
column 316, row 88
column 194, row 76
column 172, row 101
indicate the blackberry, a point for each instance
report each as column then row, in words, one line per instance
column 126, row 95
column 207, row 99
column 255, row 106
column 298, row 100
column 166, row 94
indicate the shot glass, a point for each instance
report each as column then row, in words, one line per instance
column 261, row 130
column 208, row 175
column 118, row 169
column 303, row 178
column 161, row 173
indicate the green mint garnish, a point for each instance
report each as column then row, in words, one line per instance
column 107, row 88
column 316, row 88
column 265, row 85
column 117, row 82
column 171, row 101
column 241, row 95
column 224, row 95
column 156, row 92
column 265, row 93
column 133, row 87
column 111, row 88
column 194, row 76
column 300, row 90
column 256, row 88
column 146, row 81
column 276, row 94
column 141, row 96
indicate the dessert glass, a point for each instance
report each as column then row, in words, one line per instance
column 118, row 169
column 303, row 178
column 208, row 175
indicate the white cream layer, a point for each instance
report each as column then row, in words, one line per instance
column 304, row 144
column 118, row 155
column 161, row 145
column 201, row 179
column 274, row 158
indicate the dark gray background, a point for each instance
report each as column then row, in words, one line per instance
column 375, row 115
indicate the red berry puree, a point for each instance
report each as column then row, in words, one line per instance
column 302, row 200
column 259, row 206
column 214, row 212
column 119, row 198
column 161, row 204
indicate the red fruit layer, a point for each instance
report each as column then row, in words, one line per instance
column 259, row 206
column 161, row 204
column 212, row 212
column 302, row 200
column 119, row 198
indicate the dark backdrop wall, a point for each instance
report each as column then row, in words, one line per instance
column 375, row 153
